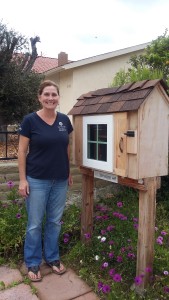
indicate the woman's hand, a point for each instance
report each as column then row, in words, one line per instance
column 24, row 188
column 70, row 180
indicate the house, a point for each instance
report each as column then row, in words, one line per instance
column 77, row 77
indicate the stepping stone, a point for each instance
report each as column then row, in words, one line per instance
column 8, row 275
column 62, row 287
column 19, row 292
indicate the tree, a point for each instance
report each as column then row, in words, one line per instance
column 18, row 83
column 152, row 64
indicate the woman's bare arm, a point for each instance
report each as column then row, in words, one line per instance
column 22, row 152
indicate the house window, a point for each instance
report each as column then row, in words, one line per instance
column 98, row 142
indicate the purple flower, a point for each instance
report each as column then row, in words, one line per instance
column 66, row 240
column 18, row 215
column 106, row 289
column 98, row 217
column 111, row 272
column 119, row 204
column 103, row 231
column 159, row 240
column 123, row 249
column 105, row 217
column 135, row 226
column 166, row 289
column 87, row 235
column 131, row 255
column 111, row 254
column 138, row 280
column 148, row 269
column 119, row 259
column 110, row 227
column 10, row 184
column 103, row 208
column 66, row 235
column 123, row 218
column 163, row 232
column 111, row 242
column 116, row 214
column 117, row 277
column 100, row 286
column 135, row 220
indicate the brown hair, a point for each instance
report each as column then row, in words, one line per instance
column 45, row 84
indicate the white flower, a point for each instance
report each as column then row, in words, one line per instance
column 81, row 261
column 99, row 237
column 110, row 246
column 97, row 257
column 166, row 273
column 103, row 239
column 105, row 264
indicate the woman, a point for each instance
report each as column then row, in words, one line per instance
column 43, row 159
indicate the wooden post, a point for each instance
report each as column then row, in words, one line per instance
column 87, row 203
column 146, row 230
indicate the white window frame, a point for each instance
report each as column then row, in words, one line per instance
column 92, row 163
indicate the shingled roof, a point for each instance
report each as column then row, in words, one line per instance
column 127, row 97
column 43, row 64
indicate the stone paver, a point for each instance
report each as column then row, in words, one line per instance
column 8, row 275
column 61, row 287
column 68, row 286
column 19, row 292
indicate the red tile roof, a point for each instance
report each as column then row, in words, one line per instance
column 127, row 97
column 43, row 64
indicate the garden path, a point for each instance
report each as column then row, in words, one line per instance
column 68, row 286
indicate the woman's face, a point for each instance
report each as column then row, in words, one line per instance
column 49, row 98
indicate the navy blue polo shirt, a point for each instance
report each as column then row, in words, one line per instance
column 47, row 157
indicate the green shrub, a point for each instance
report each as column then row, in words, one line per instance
column 12, row 224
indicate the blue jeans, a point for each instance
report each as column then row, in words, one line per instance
column 47, row 198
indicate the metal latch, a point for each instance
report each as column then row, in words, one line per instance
column 130, row 133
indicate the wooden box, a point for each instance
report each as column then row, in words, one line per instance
column 123, row 130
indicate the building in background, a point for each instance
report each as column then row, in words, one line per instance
column 77, row 77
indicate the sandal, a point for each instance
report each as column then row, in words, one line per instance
column 34, row 270
column 58, row 265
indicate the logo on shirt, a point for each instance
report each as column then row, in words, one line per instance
column 61, row 127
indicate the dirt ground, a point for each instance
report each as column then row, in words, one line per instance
column 9, row 148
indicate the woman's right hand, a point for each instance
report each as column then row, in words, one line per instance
column 24, row 188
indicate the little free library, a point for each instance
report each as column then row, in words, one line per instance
column 121, row 135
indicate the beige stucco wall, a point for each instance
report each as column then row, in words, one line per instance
column 89, row 77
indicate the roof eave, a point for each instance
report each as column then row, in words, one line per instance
column 54, row 70
column 105, row 56
column 97, row 58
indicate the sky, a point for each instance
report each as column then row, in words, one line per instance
column 86, row 28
